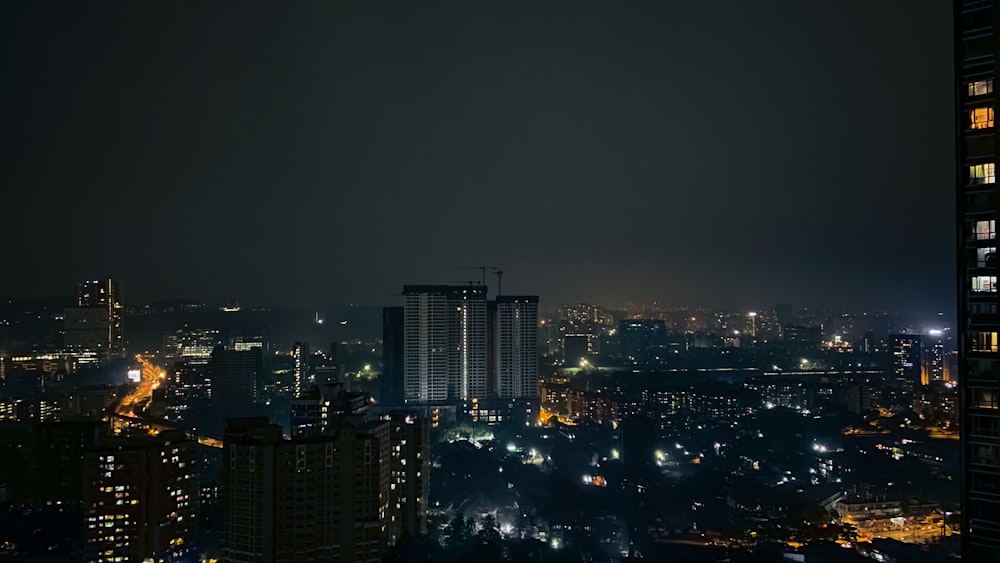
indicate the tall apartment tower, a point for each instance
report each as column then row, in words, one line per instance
column 907, row 359
column 234, row 378
column 444, row 343
column 300, row 367
column 934, row 361
column 978, row 206
column 391, row 379
column 95, row 323
column 318, row 499
column 141, row 496
column 516, row 346
column 409, row 436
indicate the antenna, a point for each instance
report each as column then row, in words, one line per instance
column 499, row 274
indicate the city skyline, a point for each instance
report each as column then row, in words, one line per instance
column 374, row 280
column 724, row 174
column 634, row 305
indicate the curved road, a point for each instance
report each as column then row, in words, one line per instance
column 133, row 405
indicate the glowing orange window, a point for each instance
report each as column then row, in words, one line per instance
column 981, row 118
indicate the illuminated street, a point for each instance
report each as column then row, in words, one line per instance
column 152, row 377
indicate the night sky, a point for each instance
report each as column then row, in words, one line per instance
column 726, row 153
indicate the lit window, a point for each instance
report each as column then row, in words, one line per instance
column 980, row 87
column 986, row 257
column 985, row 342
column 984, row 284
column 984, row 399
column 986, row 230
column 982, row 173
column 981, row 118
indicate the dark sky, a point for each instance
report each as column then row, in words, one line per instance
column 728, row 153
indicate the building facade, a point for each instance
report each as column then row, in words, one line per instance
column 234, row 375
column 141, row 496
column 907, row 359
column 641, row 340
column 444, row 343
column 516, row 346
column 300, row 367
column 322, row 498
column 409, row 437
column 976, row 49
column 95, row 324
column 391, row 379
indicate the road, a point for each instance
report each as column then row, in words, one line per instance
column 131, row 409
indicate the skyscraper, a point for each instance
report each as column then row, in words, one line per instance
column 934, row 359
column 642, row 339
column 444, row 343
column 300, row 367
column 322, row 498
column 409, row 436
column 391, row 379
column 193, row 345
column 234, row 378
column 517, row 346
column 976, row 49
column 94, row 324
column 907, row 358
column 141, row 495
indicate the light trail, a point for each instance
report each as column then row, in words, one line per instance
column 133, row 405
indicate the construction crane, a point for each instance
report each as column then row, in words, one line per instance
column 482, row 270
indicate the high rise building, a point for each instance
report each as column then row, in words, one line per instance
column 906, row 359
column 750, row 324
column 300, row 367
column 391, row 379
column 516, row 346
column 95, row 323
column 802, row 337
column 193, row 345
column 642, row 339
column 234, row 375
column 409, row 437
column 933, row 360
column 141, row 495
column 444, row 343
column 492, row 349
column 320, row 498
column 315, row 411
column 976, row 51
column 190, row 381
column 242, row 340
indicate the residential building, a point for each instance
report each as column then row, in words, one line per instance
column 976, row 52
column 322, row 498
column 300, row 367
column 516, row 346
column 141, row 495
column 444, row 343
